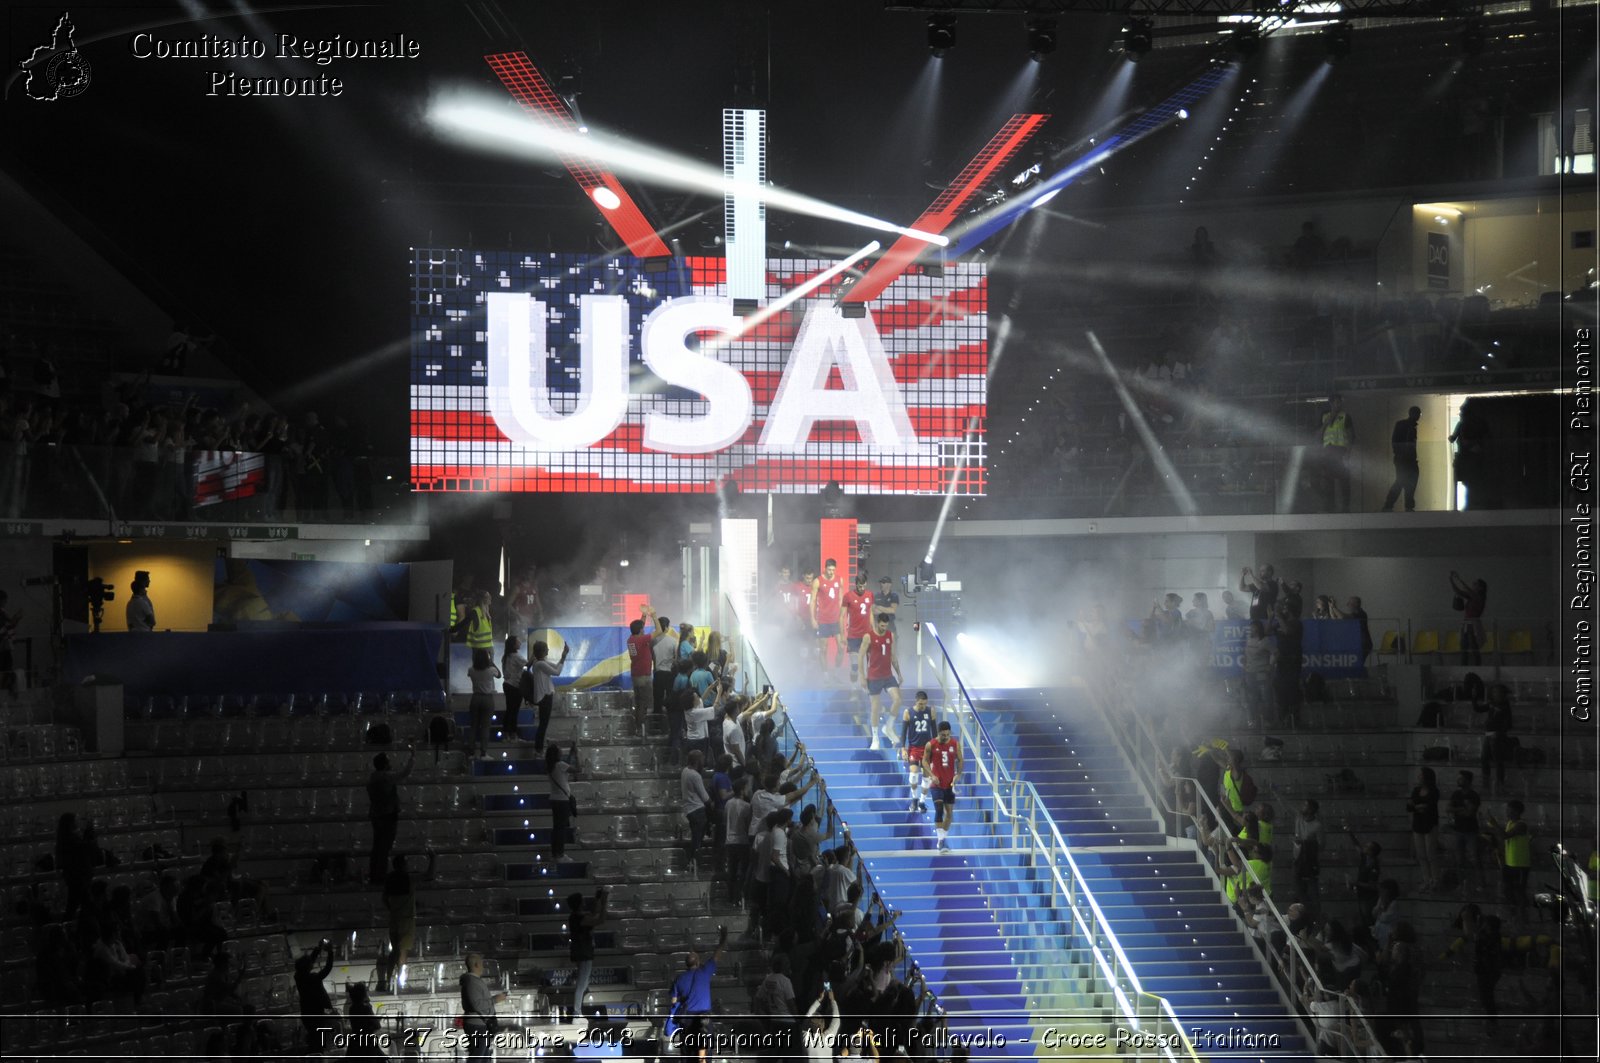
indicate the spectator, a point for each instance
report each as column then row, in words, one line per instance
column 220, row 866
column 805, row 861
column 158, row 915
column 1199, row 620
column 1481, row 933
column 1231, row 609
column 664, row 658
column 365, row 1029
column 822, row 1028
column 1308, row 855
column 1386, row 912
column 315, row 1004
column 1259, row 656
column 1498, row 745
column 479, row 1021
column 689, row 1020
column 582, row 919
column 1339, row 959
column 383, row 797
column 1352, row 611
column 1517, row 855
column 838, row 875
column 1470, row 600
column 770, row 856
column 1263, row 588
column 773, row 1002
column 113, row 966
column 77, row 852
column 1423, row 805
column 480, row 709
column 541, row 690
column 563, row 805
column 1471, row 437
column 1463, row 807
column 1402, row 978
column 1289, row 662
column 1338, row 437
column 512, row 665
column 736, row 839
column 1369, row 871
column 696, row 802
column 400, row 900
column 1403, row 442
column 221, row 993
column 641, row 667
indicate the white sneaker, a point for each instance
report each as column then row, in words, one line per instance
column 889, row 733
column 874, row 745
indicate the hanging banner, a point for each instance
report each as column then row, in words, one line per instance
column 1330, row 648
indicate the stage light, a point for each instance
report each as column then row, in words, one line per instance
column 1246, row 41
column 606, row 198
column 1183, row 113
column 1336, row 40
column 941, row 35
column 1137, row 37
column 1041, row 38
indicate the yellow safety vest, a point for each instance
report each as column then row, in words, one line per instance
column 1517, row 848
column 480, row 633
column 1263, row 872
column 1336, row 433
column 1264, row 832
column 1230, row 787
column 454, row 617
column 1594, row 875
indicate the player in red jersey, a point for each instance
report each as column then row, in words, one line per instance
column 805, row 593
column 880, row 668
column 856, row 616
column 827, row 599
column 941, row 759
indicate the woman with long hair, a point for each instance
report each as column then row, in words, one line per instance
column 483, row 674
column 1423, row 805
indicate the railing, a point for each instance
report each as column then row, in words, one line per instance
column 753, row 678
column 1160, row 1033
column 1348, row 1028
column 1437, row 639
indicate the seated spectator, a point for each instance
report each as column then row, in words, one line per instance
column 113, row 967
column 365, row 1029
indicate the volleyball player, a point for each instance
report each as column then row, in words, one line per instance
column 941, row 759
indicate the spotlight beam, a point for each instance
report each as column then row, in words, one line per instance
column 1169, row 473
column 1002, row 334
column 491, row 128
column 790, row 297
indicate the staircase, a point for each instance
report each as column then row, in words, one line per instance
column 1162, row 903
column 980, row 921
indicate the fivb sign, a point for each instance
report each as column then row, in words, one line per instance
column 521, row 402
column 560, row 372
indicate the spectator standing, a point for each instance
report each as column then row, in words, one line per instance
column 480, row 708
column 1403, row 443
column 770, row 856
column 77, row 852
column 822, row 1028
column 1338, row 436
column 1464, row 807
column 541, row 688
column 1199, row 620
column 641, row 669
column 512, row 665
column 886, row 601
column 1498, row 744
column 315, row 1005
column 383, row 810
column 736, row 839
column 1471, row 437
column 1470, row 600
column 773, row 1002
column 1259, row 656
column 366, row 1032
column 479, row 1021
column 689, row 1021
column 805, row 863
column 664, row 658
column 1424, row 808
column 1308, row 855
column 696, row 801
column 1263, row 590
column 563, row 805
column 400, row 899
column 1517, row 855
column 1353, row 611
column 582, row 919
column 1288, row 661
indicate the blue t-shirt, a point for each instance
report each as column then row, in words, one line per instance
column 701, row 679
column 919, row 729
column 719, row 783
column 686, row 648
column 693, row 989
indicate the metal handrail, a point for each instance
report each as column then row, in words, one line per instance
column 1301, row 971
column 1045, row 836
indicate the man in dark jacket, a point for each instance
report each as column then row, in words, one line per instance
column 1403, row 443
column 315, row 1004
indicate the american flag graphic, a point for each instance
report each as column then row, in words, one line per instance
column 933, row 331
column 228, row 475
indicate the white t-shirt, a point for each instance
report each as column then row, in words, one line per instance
column 836, row 884
column 695, row 720
column 542, row 671
column 512, row 664
column 736, row 810
column 693, row 787
column 560, row 781
column 762, row 804
column 665, row 648
column 483, row 679
column 733, row 739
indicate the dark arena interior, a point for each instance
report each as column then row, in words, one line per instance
column 799, row 530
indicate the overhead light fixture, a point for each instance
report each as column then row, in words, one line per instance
column 1041, row 38
column 941, row 34
column 606, row 198
column 1336, row 40
column 1137, row 37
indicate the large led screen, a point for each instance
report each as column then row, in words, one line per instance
column 561, row 372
